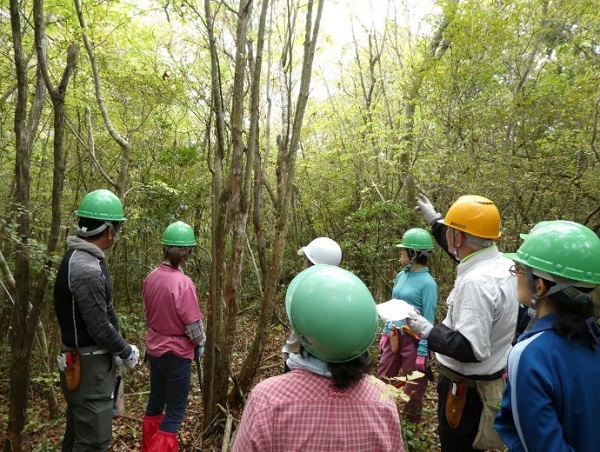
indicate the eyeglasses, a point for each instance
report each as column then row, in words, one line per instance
column 514, row 270
column 116, row 226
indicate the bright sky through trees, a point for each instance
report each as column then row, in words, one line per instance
column 340, row 15
column 347, row 21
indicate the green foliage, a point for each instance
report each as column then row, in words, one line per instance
column 517, row 108
column 44, row 446
column 132, row 325
column 276, row 331
column 412, row 440
column 505, row 105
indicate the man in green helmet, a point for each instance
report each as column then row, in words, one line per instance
column 91, row 342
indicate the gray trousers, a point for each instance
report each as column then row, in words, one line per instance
column 90, row 408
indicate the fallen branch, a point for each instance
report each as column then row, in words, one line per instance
column 271, row 366
column 226, row 445
column 274, row 355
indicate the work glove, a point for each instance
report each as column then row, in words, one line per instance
column 421, row 363
column 426, row 209
column 133, row 358
column 419, row 324
column 198, row 352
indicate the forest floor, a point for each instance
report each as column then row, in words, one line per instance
column 43, row 433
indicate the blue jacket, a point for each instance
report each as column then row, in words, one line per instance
column 551, row 402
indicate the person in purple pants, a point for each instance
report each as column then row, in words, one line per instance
column 415, row 285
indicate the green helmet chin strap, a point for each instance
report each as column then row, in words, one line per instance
column 417, row 254
column 85, row 232
column 562, row 284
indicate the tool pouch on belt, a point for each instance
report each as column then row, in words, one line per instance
column 72, row 369
column 406, row 330
column 490, row 393
column 455, row 403
column 394, row 339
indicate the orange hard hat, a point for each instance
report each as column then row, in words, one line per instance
column 474, row 215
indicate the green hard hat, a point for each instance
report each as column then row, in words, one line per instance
column 178, row 234
column 101, row 205
column 294, row 283
column 332, row 313
column 417, row 239
column 562, row 248
column 541, row 224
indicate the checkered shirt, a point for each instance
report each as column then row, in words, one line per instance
column 301, row 411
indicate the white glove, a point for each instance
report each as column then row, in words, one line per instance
column 426, row 209
column 419, row 324
column 133, row 358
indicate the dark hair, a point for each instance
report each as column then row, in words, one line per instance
column 344, row 374
column 574, row 308
column 175, row 255
column 417, row 256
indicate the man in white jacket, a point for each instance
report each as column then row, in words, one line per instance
column 473, row 341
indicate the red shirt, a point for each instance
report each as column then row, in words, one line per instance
column 171, row 303
column 302, row 411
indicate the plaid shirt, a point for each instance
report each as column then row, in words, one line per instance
column 301, row 411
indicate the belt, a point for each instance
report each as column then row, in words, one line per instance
column 471, row 380
column 88, row 350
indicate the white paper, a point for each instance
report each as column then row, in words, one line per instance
column 395, row 310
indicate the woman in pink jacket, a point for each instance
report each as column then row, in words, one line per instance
column 174, row 333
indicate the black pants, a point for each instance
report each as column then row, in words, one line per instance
column 459, row 439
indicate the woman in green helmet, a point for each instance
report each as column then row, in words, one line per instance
column 552, row 402
column 328, row 401
column 174, row 333
column 401, row 354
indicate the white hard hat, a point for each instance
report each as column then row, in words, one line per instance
column 322, row 250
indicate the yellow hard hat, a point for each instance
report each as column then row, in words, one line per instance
column 474, row 215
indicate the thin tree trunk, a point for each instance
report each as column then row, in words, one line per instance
column 121, row 183
column 213, row 390
column 23, row 324
column 238, row 187
column 57, row 96
column 285, row 180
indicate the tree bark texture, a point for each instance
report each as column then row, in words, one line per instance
column 285, row 180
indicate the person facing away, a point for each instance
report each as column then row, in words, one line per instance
column 174, row 333
column 438, row 230
column 415, row 285
column 321, row 250
column 551, row 402
column 473, row 341
column 88, row 325
column 328, row 401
